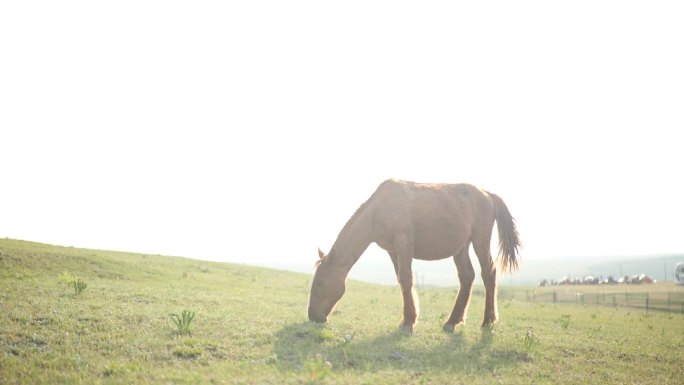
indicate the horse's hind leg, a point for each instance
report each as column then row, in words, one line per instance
column 489, row 279
column 466, row 276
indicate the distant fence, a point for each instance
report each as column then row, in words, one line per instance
column 662, row 301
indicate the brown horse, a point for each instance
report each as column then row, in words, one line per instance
column 424, row 221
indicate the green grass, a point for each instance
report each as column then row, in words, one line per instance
column 251, row 328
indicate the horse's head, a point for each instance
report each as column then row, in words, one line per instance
column 328, row 286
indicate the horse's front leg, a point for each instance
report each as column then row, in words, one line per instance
column 405, row 277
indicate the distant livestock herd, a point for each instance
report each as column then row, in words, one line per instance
column 591, row 280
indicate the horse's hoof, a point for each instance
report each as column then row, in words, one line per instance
column 407, row 329
column 450, row 328
column 488, row 324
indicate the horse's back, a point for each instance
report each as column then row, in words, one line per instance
column 455, row 199
column 441, row 217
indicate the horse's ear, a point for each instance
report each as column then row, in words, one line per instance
column 320, row 254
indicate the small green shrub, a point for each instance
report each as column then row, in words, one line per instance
column 183, row 321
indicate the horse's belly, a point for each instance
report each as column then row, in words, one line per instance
column 431, row 247
column 433, row 255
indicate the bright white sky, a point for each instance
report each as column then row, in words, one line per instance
column 250, row 131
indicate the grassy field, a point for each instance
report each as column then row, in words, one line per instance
column 250, row 328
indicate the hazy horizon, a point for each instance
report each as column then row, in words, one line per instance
column 442, row 273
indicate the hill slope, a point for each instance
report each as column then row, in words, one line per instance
column 250, row 327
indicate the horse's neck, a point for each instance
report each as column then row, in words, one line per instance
column 354, row 239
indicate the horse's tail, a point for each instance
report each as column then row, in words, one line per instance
column 509, row 240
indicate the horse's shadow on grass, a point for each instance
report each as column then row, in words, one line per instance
column 299, row 343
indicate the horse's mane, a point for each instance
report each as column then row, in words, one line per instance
column 347, row 225
column 356, row 214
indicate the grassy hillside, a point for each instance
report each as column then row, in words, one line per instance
column 250, row 328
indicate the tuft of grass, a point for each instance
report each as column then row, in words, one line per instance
column 325, row 335
column 530, row 341
column 66, row 278
column 317, row 368
column 187, row 352
column 79, row 286
column 564, row 321
column 594, row 331
column 183, row 321
column 120, row 369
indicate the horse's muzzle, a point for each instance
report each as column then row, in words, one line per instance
column 316, row 318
